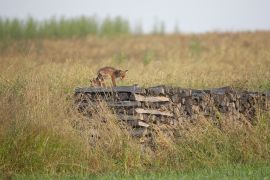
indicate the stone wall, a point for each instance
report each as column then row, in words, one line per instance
column 143, row 108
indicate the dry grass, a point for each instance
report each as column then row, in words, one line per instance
column 189, row 61
column 38, row 77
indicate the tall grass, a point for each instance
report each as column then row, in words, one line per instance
column 40, row 132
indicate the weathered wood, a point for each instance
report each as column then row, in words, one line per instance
column 123, row 96
column 125, row 104
column 157, row 90
column 138, row 124
column 130, row 117
column 163, row 102
column 185, row 92
column 137, row 97
column 153, row 111
column 133, row 120
column 131, row 89
column 114, row 104
column 222, row 90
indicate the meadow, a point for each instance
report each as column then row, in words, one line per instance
column 38, row 75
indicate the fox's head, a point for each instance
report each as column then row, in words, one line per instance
column 122, row 74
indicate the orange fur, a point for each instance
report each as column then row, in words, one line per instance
column 110, row 72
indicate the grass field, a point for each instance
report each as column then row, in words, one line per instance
column 37, row 78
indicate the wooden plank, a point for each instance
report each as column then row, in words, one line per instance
column 138, row 124
column 153, row 111
column 220, row 91
column 125, row 104
column 142, row 124
column 141, row 98
column 114, row 104
column 130, row 117
column 133, row 120
column 131, row 89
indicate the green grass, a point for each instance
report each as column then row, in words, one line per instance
column 230, row 172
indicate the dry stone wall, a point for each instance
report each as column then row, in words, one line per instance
column 143, row 108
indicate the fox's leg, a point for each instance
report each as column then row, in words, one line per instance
column 101, row 80
column 102, row 83
column 113, row 81
column 99, row 83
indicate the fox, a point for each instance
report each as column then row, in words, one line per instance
column 108, row 72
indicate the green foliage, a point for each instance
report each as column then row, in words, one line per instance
column 31, row 28
column 62, row 28
column 112, row 27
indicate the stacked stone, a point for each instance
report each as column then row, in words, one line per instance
column 143, row 108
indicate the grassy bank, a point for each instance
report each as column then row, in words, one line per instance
column 229, row 172
column 37, row 78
